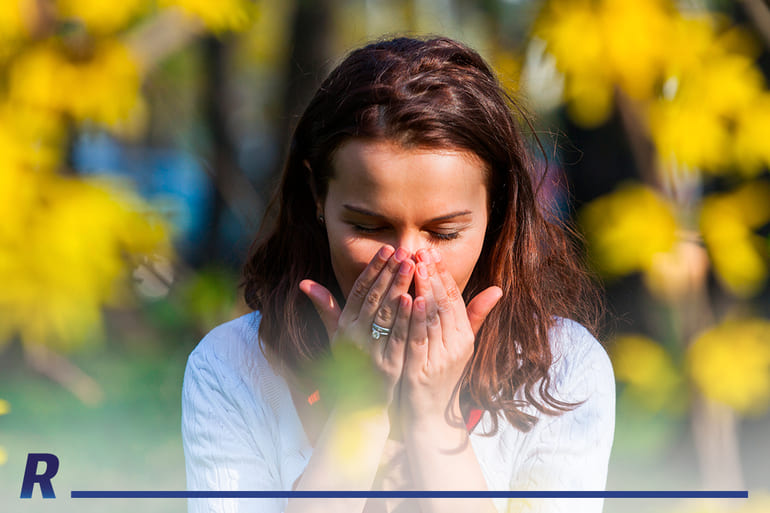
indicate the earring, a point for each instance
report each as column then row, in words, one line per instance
column 321, row 219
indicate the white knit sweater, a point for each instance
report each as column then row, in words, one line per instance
column 241, row 430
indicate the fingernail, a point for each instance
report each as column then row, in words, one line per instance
column 419, row 304
column 385, row 251
column 404, row 301
column 400, row 255
column 406, row 268
column 425, row 256
column 422, row 270
column 435, row 254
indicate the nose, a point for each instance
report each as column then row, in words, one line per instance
column 410, row 241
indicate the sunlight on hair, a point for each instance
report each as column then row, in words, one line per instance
column 730, row 364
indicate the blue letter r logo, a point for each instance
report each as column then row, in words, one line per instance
column 44, row 480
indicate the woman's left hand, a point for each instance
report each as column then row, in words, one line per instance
column 440, row 344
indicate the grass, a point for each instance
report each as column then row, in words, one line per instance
column 130, row 441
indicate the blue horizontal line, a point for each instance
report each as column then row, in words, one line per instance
column 406, row 494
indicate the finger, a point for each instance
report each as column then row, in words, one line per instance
column 444, row 304
column 376, row 298
column 423, row 287
column 386, row 313
column 453, row 292
column 324, row 303
column 417, row 342
column 480, row 306
column 364, row 283
column 396, row 345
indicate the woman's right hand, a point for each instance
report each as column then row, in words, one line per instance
column 380, row 296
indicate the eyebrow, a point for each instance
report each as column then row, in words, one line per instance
column 446, row 217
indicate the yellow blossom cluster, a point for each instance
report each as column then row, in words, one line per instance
column 104, row 89
column 633, row 229
column 727, row 222
column 63, row 253
column 102, row 17
column 67, row 243
column 696, row 85
column 627, row 228
column 715, row 111
column 16, row 20
column 652, row 378
column 218, row 16
column 730, row 364
column 601, row 44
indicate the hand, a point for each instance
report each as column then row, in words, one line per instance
column 441, row 339
column 378, row 295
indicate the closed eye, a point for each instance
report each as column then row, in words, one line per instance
column 441, row 236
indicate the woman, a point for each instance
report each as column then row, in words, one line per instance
column 406, row 227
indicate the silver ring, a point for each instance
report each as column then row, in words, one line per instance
column 379, row 331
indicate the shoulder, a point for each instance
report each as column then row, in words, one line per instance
column 229, row 351
column 228, row 342
column 580, row 363
column 229, row 361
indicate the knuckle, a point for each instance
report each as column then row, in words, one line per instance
column 360, row 290
column 453, row 294
column 384, row 314
column 444, row 304
column 373, row 298
column 397, row 336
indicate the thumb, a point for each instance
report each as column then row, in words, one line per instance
column 480, row 306
column 324, row 303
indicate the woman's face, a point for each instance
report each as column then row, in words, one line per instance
column 382, row 193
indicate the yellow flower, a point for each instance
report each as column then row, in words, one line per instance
column 727, row 222
column 104, row 89
column 627, row 228
column 70, row 257
column 601, row 44
column 730, row 364
column 750, row 150
column 572, row 32
column 220, row 15
column 29, row 137
column 16, row 19
column 712, row 90
column 100, row 16
column 647, row 368
column 687, row 133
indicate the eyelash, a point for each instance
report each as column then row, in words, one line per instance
column 444, row 237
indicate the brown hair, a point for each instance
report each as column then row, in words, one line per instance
column 434, row 93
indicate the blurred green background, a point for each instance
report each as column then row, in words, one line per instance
column 139, row 142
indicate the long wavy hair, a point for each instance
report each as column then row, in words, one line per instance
column 434, row 93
